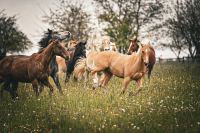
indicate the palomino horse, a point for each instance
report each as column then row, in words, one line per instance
column 152, row 59
column 53, row 64
column 102, row 43
column 29, row 69
column 129, row 67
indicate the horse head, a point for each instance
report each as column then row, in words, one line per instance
column 52, row 35
column 80, row 49
column 148, row 54
column 133, row 46
column 72, row 43
column 113, row 46
column 60, row 50
column 106, row 45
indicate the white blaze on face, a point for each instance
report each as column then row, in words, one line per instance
column 146, row 56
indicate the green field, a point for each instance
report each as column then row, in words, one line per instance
column 169, row 103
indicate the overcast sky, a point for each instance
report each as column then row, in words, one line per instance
column 30, row 13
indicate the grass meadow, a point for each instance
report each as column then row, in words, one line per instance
column 170, row 103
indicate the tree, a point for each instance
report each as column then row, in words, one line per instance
column 124, row 18
column 186, row 23
column 70, row 16
column 11, row 38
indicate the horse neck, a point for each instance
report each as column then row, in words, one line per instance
column 46, row 56
column 137, row 60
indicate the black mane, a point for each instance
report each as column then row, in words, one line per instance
column 80, row 51
column 46, row 39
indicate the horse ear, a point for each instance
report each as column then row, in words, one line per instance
column 49, row 30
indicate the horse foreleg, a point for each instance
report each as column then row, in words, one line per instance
column 41, row 87
column 139, row 87
column 35, row 87
column 57, row 82
column 125, row 84
column 67, row 77
column 47, row 83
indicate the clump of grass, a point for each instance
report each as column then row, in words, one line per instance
column 170, row 102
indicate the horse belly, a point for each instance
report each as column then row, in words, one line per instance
column 19, row 72
column 21, row 76
column 117, row 70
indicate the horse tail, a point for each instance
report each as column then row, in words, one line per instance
column 80, row 68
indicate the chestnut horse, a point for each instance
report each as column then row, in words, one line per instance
column 129, row 67
column 134, row 46
column 29, row 69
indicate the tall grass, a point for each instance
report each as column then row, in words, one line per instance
column 170, row 102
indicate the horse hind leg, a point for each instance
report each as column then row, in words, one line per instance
column 125, row 84
column 86, row 76
column 106, row 79
column 149, row 72
column 96, row 79
column 139, row 87
column 35, row 87
column 47, row 83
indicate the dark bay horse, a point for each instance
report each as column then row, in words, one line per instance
column 53, row 64
column 29, row 69
column 62, row 63
column 80, row 51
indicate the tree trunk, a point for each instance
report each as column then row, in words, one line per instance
column 197, row 51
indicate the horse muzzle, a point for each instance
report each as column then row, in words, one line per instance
column 146, row 63
column 106, row 49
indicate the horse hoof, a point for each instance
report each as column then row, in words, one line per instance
column 14, row 99
column 50, row 93
column 133, row 94
column 37, row 94
column 41, row 90
column 61, row 93
column 17, row 98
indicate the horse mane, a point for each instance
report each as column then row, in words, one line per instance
column 151, row 47
column 46, row 39
column 77, row 55
column 41, row 50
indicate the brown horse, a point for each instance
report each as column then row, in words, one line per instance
column 29, row 69
column 129, row 67
column 134, row 46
